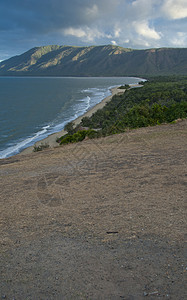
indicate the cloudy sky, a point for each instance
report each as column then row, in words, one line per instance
column 137, row 24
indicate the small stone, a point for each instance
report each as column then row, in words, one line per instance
column 4, row 297
column 153, row 293
column 145, row 294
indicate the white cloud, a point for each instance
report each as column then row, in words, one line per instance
column 180, row 39
column 117, row 31
column 132, row 23
column 143, row 29
column 87, row 34
column 175, row 9
column 77, row 32
column 143, row 3
column 144, row 9
column 108, row 36
column 141, row 42
column 92, row 12
column 113, row 43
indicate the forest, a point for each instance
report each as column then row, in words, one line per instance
column 160, row 100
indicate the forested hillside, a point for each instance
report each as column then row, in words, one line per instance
column 106, row 60
column 160, row 100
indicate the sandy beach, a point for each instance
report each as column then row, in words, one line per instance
column 51, row 139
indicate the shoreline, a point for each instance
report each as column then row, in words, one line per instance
column 51, row 139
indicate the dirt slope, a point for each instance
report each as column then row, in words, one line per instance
column 101, row 219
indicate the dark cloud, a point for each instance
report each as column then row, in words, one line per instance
column 39, row 15
column 130, row 23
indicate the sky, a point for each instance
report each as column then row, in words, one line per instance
column 137, row 24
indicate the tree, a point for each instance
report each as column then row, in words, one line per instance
column 69, row 127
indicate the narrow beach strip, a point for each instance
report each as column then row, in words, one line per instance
column 51, row 139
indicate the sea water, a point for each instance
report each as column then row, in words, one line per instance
column 31, row 108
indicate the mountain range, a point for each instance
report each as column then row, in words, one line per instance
column 107, row 60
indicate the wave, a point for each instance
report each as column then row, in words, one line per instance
column 15, row 149
column 82, row 105
column 91, row 97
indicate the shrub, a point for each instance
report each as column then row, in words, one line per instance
column 40, row 147
column 126, row 87
column 78, row 136
column 69, row 127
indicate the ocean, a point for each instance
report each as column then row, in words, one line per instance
column 31, row 108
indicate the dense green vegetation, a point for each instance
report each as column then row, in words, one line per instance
column 160, row 100
column 78, row 136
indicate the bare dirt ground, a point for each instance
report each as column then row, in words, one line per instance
column 101, row 219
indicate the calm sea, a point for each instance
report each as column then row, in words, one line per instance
column 32, row 108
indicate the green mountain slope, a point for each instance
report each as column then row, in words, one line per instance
column 96, row 61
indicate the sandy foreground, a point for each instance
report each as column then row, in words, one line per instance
column 51, row 139
column 100, row 219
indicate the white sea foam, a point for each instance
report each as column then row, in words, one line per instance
column 91, row 97
column 12, row 150
column 79, row 108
